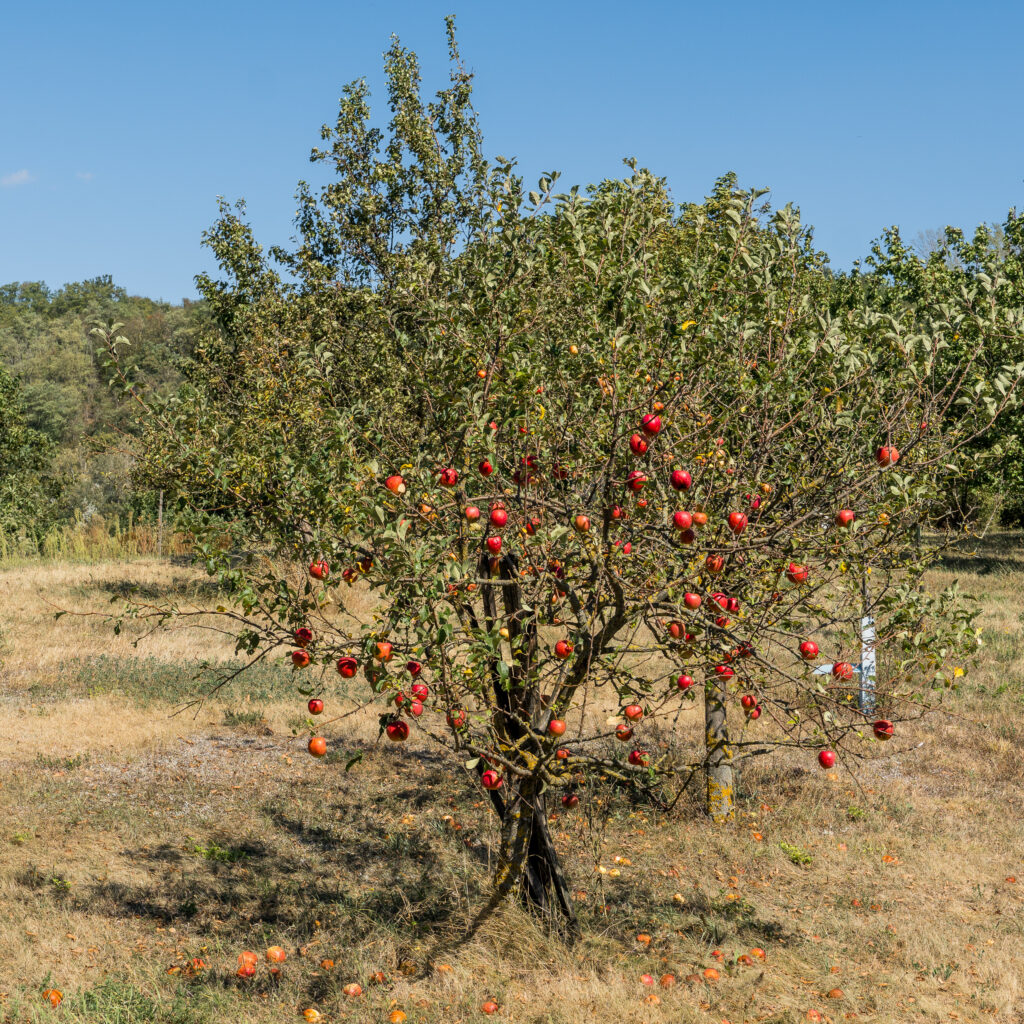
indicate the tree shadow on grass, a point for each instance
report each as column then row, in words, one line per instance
column 195, row 589
column 980, row 565
column 370, row 876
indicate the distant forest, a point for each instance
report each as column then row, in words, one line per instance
column 64, row 430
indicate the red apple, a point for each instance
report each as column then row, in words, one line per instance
column 748, row 701
column 570, row 800
column 499, row 517
column 316, row 706
column 724, row 672
column 300, row 658
column 319, row 570
column 715, row 564
column 887, row 455
column 638, row 758
column 638, row 445
column 456, row 718
column 680, row 479
column 533, row 525
column 676, row 630
column 754, row 712
column 684, row 682
column 633, row 712
column 692, row 601
column 420, row 691
column 347, row 667
column 797, row 573
column 635, row 481
column 472, row 513
column 317, row 746
column 383, row 651
column 581, row 524
column 563, row 649
column 883, row 729
column 395, row 484
column 303, row 636
column 737, row 522
column 494, row 544
column 486, row 469
column 687, row 537
column 682, row 520
column 842, row 670
column 448, row 477
column 623, row 732
column 414, row 668
column 491, row 779
column 650, row 424
column 556, row 727
column 826, row 758
column 618, row 512
column 562, row 754
column 845, row 517
column 808, row 650
column 416, row 708
column 397, row 730
column 720, row 599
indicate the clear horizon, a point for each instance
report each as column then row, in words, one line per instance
column 123, row 125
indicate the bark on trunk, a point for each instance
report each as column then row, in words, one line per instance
column 718, row 753
column 528, row 861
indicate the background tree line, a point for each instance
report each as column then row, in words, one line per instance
column 62, row 427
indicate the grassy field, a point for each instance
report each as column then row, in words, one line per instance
column 133, row 840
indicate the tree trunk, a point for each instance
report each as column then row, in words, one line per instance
column 718, row 753
column 529, row 863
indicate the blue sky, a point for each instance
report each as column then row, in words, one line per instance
column 121, row 123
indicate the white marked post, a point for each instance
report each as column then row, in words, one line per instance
column 867, row 668
column 867, row 664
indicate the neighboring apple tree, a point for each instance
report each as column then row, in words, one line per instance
column 987, row 270
column 588, row 454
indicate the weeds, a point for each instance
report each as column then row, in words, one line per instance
column 61, row 764
column 221, row 854
column 799, row 857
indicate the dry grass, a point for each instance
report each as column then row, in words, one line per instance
column 133, row 840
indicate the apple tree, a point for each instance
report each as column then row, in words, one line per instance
column 585, row 456
column 959, row 273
